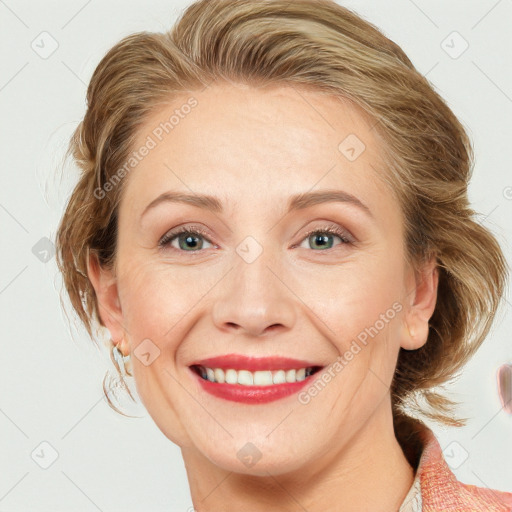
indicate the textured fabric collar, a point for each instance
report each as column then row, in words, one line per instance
column 412, row 502
column 442, row 492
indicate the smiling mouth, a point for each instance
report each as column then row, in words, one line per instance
column 254, row 378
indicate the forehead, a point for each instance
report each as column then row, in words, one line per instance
column 247, row 145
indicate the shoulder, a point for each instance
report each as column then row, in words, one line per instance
column 441, row 491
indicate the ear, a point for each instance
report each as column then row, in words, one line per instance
column 421, row 300
column 104, row 283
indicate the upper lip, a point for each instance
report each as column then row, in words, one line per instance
column 242, row 362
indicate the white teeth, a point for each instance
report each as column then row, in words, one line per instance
column 290, row 376
column 245, row 378
column 279, row 377
column 262, row 378
column 257, row 378
column 219, row 375
column 301, row 374
column 231, row 377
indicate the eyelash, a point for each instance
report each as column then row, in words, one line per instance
column 169, row 237
column 333, row 229
column 194, row 230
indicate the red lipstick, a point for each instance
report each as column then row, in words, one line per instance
column 252, row 394
column 241, row 362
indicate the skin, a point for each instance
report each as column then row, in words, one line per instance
column 253, row 148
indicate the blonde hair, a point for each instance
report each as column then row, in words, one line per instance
column 324, row 46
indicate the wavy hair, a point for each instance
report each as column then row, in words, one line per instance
column 321, row 45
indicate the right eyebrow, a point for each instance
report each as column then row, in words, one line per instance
column 204, row 201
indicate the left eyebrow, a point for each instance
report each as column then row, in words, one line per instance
column 307, row 199
column 296, row 202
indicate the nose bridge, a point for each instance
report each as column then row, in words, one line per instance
column 252, row 267
column 254, row 297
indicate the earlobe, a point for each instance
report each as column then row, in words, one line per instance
column 420, row 308
column 109, row 308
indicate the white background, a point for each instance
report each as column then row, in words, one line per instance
column 50, row 377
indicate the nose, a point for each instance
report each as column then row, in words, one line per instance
column 254, row 299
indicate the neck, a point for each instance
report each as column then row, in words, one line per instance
column 367, row 472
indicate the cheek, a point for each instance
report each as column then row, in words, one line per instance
column 354, row 294
column 161, row 301
column 154, row 301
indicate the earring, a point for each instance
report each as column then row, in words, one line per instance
column 121, row 362
column 114, row 385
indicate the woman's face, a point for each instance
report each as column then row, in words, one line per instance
column 255, row 282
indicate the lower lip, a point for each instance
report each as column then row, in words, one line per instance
column 252, row 394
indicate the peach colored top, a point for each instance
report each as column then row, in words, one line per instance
column 436, row 489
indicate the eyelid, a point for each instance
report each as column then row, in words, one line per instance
column 173, row 233
column 333, row 229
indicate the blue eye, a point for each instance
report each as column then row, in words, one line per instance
column 187, row 239
column 321, row 236
column 192, row 239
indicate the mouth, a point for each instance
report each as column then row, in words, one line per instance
column 252, row 380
